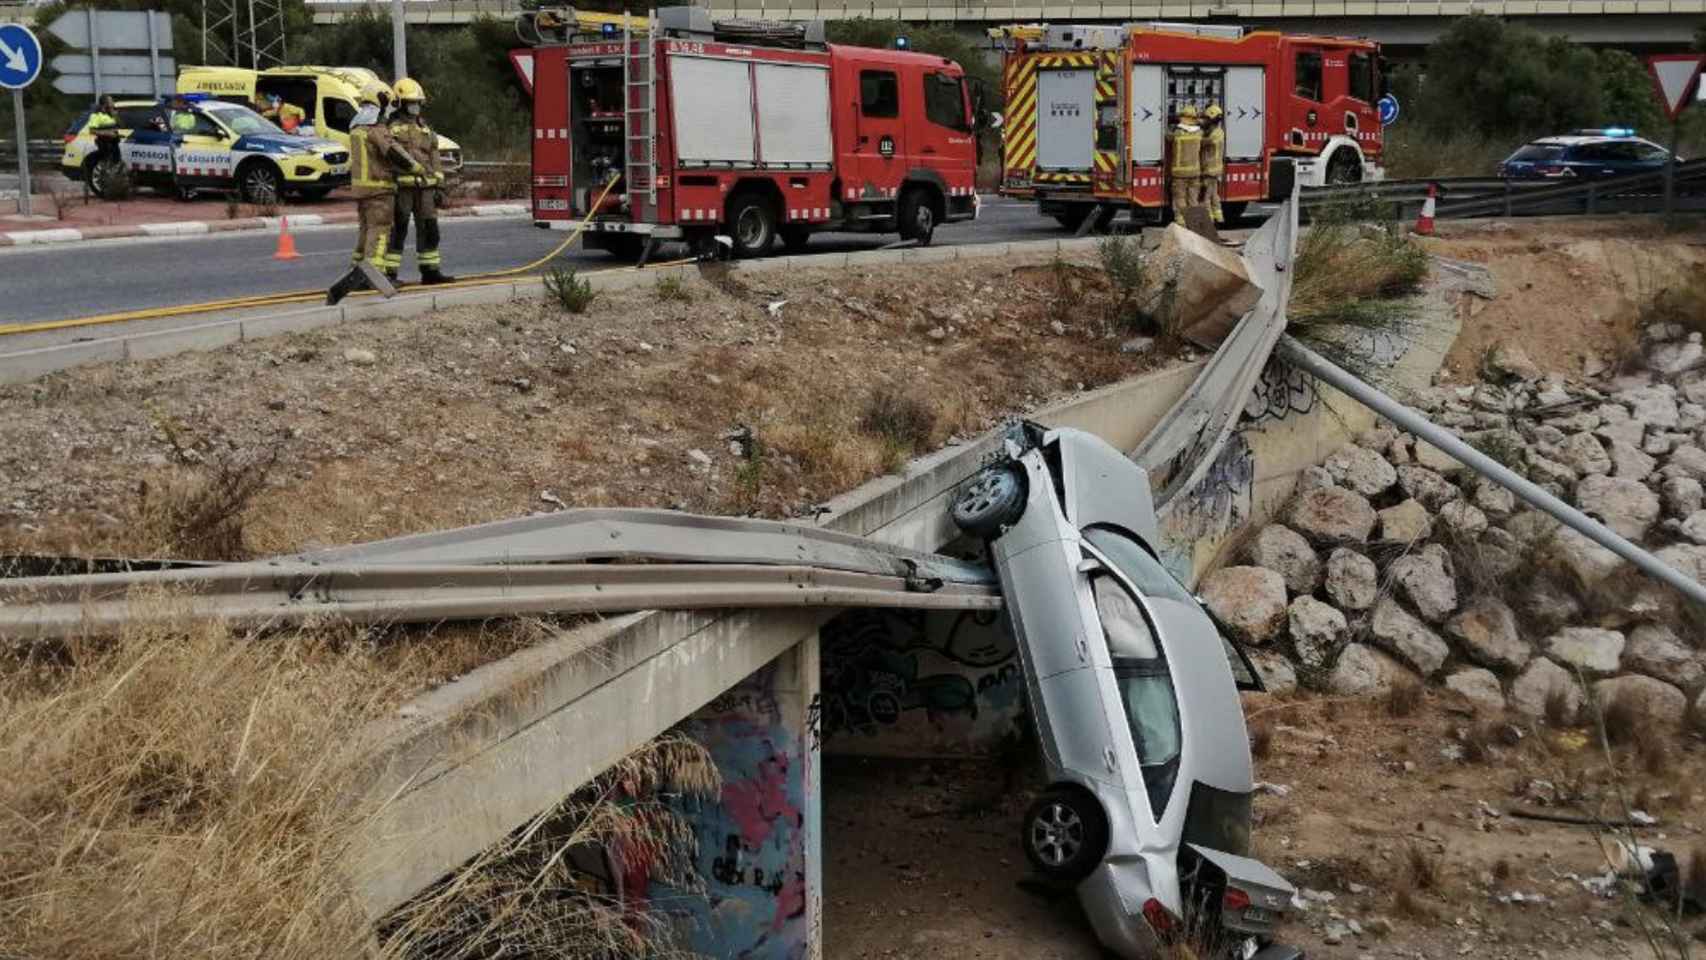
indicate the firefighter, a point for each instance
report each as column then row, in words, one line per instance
column 1213, row 159
column 375, row 162
column 417, row 194
column 1187, row 161
column 287, row 115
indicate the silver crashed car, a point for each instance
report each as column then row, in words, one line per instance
column 1135, row 698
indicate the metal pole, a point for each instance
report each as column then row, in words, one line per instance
column 254, row 42
column 203, row 31
column 399, row 49
column 1670, row 169
column 1407, row 419
column 23, row 153
column 95, row 51
column 154, row 56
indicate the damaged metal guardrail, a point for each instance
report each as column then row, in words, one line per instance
column 533, row 565
column 1462, row 197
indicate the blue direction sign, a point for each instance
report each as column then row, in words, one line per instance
column 20, row 56
column 1388, row 106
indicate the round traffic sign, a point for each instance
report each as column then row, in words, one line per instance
column 1388, row 107
column 20, row 56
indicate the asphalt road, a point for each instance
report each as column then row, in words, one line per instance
column 78, row 280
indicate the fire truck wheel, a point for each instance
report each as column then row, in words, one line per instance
column 753, row 224
column 794, row 238
column 1073, row 217
column 917, row 216
column 1344, row 168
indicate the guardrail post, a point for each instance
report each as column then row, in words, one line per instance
column 1509, row 209
column 1593, row 199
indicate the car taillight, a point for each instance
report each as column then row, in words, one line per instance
column 1161, row 921
column 70, row 137
column 1235, row 900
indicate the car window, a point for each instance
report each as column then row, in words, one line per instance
column 1146, row 688
column 945, row 101
column 1362, row 77
column 1591, row 153
column 244, row 121
column 879, row 93
column 1309, row 75
column 1538, row 153
column 1651, row 153
column 339, row 113
column 1137, row 564
column 1127, row 632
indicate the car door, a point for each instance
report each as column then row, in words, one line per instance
column 202, row 155
column 879, row 132
column 939, row 133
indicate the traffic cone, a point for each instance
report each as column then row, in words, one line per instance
column 286, row 242
column 1425, row 222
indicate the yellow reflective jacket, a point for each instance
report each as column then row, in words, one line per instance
column 371, row 152
column 1214, row 151
column 1187, row 150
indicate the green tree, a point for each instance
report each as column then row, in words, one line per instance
column 1628, row 92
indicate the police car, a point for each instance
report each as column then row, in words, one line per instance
column 215, row 146
column 1607, row 151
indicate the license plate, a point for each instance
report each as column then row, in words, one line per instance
column 1258, row 915
column 340, row 168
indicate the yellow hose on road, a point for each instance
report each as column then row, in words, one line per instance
column 308, row 296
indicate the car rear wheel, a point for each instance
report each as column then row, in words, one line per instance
column 993, row 499
column 1065, row 835
column 260, row 183
column 104, row 175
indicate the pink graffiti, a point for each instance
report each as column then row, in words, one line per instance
column 757, row 803
column 791, row 899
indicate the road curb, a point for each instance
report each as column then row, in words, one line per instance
column 175, row 228
column 213, row 330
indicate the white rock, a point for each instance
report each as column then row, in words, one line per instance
column 1463, row 519
column 1617, row 424
column 1317, row 630
column 1626, row 506
column 1477, row 685
column 1689, row 559
column 1543, row 470
column 1437, row 460
column 1333, row 516
column 1534, row 685
column 1584, row 453
column 1487, row 632
column 1352, row 580
column 1511, row 361
column 1365, row 671
column 1283, row 550
column 1424, row 581
column 699, row 457
column 1427, row 486
column 1491, row 398
column 1681, row 496
column 1690, row 416
column 1249, row 602
column 1673, row 357
column 1587, row 560
column 1699, row 712
column 1628, row 462
column 1694, row 527
column 1655, row 651
column 1361, row 469
column 1653, row 405
column 1662, row 702
column 1405, row 522
column 1377, row 438
column 1277, row 673
column 1313, row 477
column 1494, row 500
column 1691, row 459
column 360, row 357
column 1407, row 638
column 1594, row 650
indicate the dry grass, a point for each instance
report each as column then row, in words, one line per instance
column 1422, row 870
column 1349, row 271
column 198, row 513
column 1626, row 719
column 187, row 792
column 1403, row 698
column 1502, row 870
column 1561, row 710
column 1261, row 739
column 1694, row 879
column 1682, row 303
column 1411, row 153
column 899, row 415
column 1654, row 754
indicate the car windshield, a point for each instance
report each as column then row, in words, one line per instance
column 1152, row 711
column 241, row 120
column 1537, row 153
column 1137, row 564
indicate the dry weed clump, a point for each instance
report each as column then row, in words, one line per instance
column 1403, row 697
column 198, row 513
column 1422, row 870
column 1626, row 718
column 1261, row 739
column 1561, row 709
column 900, row 416
column 191, row 792
column 1350, row 267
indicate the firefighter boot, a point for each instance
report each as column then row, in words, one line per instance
column 431, row 275
column 346, row 285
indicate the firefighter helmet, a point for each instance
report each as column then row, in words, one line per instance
column 377, row 93
column 1188, row 112
column 1214, row 112
column 409, row 88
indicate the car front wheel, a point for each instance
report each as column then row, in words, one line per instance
column 993, row 499
column 261, row 183
column 1065, row 835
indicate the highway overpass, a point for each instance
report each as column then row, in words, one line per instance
column 1643, row 23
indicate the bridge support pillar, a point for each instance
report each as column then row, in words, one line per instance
column 760, row 842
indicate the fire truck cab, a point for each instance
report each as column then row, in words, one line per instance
column 741, row 131
column 1089, row 108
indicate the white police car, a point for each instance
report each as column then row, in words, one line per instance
column 209, row 145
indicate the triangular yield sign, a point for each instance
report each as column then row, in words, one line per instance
column 1674, row 75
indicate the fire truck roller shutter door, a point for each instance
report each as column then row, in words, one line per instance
column 1246, row 112
column 793, row 114
column 713, row 110
column 1148, row 113
column 1066, row 117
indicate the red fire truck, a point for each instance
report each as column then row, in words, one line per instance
column 743, row 130
column 1089, row 107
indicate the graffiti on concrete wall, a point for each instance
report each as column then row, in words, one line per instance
column 753, row 841
column 1280, row 392
column 907, row 681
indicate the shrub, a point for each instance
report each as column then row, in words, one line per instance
column 672, row 288
column 199, row 514
column 900, row 417
column 572, row 292
column 1122, row 261
column 1403, row 697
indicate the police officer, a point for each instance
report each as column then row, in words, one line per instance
column 417, row 194
column 1186, row 169
column 1213, row 159
column 375, row 161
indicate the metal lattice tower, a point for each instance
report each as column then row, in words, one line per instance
column 255, row 28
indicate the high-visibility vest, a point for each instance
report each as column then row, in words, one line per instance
column 1187, row 151
column 290, row 116
column 99, row 120
column 370, row 171
column 1214, row 152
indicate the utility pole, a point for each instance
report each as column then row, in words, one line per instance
column 399, row 50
